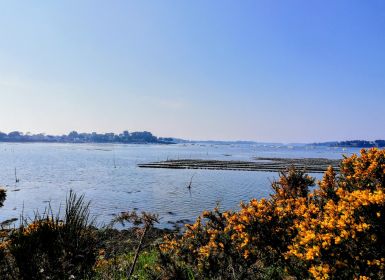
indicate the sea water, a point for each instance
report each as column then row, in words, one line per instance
column 108, row 176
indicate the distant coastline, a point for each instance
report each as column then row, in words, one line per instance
column 354, row 144
column 143, row 137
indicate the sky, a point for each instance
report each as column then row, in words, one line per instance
column 271, row 71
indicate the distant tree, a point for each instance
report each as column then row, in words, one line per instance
column 73, row 135
column 15, row 134
column 380, row 143
column 144, row 136
column 124, row 137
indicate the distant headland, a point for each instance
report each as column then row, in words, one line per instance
column 354, row 144
column 125, row 137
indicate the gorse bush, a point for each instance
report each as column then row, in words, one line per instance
column 50, row 248
column 247, row 244
column 334, row 232
column 344, row 236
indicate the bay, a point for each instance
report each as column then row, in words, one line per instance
column 108, row 176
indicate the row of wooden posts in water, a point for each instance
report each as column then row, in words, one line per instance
column 310, row 165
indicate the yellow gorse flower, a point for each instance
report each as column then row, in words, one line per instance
column 335, row 229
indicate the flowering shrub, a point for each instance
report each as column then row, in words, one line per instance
column 246, row 244
column 344, row 237
column 334, row 232
column 48, row 248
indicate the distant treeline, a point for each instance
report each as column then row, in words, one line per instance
column 355, row 144
column 75, row 137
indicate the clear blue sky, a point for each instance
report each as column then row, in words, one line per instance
column 288, row 71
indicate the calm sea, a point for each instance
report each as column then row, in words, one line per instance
column 108, row 176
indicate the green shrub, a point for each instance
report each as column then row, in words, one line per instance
column 48, row 248
column 116, row 267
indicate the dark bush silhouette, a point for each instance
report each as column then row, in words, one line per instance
column 48, row 248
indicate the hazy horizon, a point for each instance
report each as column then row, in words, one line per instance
column 192, row 139
column 288, row 72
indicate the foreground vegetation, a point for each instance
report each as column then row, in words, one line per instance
column 334, row 232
